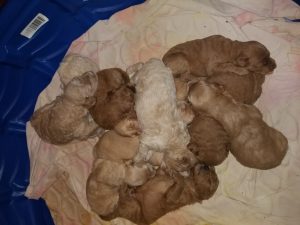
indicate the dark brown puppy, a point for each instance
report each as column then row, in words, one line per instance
column 213, row 54
column 245, row 89
column 114, row 98
column 209, row 141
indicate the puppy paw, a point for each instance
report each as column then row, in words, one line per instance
column 128, row 128
column 137, row 175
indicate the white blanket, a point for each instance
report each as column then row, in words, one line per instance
column 245, row 196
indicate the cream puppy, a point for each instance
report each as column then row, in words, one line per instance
column 163, row 129
column 67, row 118
column 74, row 65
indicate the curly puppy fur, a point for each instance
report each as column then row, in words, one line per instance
column 209, row 141
column 253, row 143
column 245, row 89
column 213, row 54
column 74, row 65
column 114, row 98
column 162, row 127
column 67, row 118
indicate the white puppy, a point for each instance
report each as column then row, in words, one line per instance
column 163, row 129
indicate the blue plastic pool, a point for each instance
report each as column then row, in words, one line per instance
column 34, row 37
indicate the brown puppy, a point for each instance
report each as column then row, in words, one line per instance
column 245, row 89
column 163, row 194
column 209, row 141
column 213, row 54
column 200, row 185
column 67, row 118
column 114, row 98
column 128, row 207
column 253, row 143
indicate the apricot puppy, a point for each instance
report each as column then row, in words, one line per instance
column 253, row 143
column 245, row 89
column 163, row 193
column 213, row 54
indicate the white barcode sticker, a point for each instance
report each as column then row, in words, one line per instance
column 35, row 24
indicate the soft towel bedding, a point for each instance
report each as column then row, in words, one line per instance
column 245, row 196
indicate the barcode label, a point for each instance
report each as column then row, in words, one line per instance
column 34, row 25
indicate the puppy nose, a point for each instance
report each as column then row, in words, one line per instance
column 272, row 64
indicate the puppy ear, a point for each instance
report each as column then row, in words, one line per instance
column 242, row 61
column 124, row 75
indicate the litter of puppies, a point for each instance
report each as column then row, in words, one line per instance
column 167, row 125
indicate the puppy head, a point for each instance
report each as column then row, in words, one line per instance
column 113, row 78
column 128, row 127
column 256, row 58
column 206, row 181
column 202, row 93
column 74, row 65
column 80, row 90
column 179, row 159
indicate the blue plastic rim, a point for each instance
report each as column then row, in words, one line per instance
column 27, row 65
